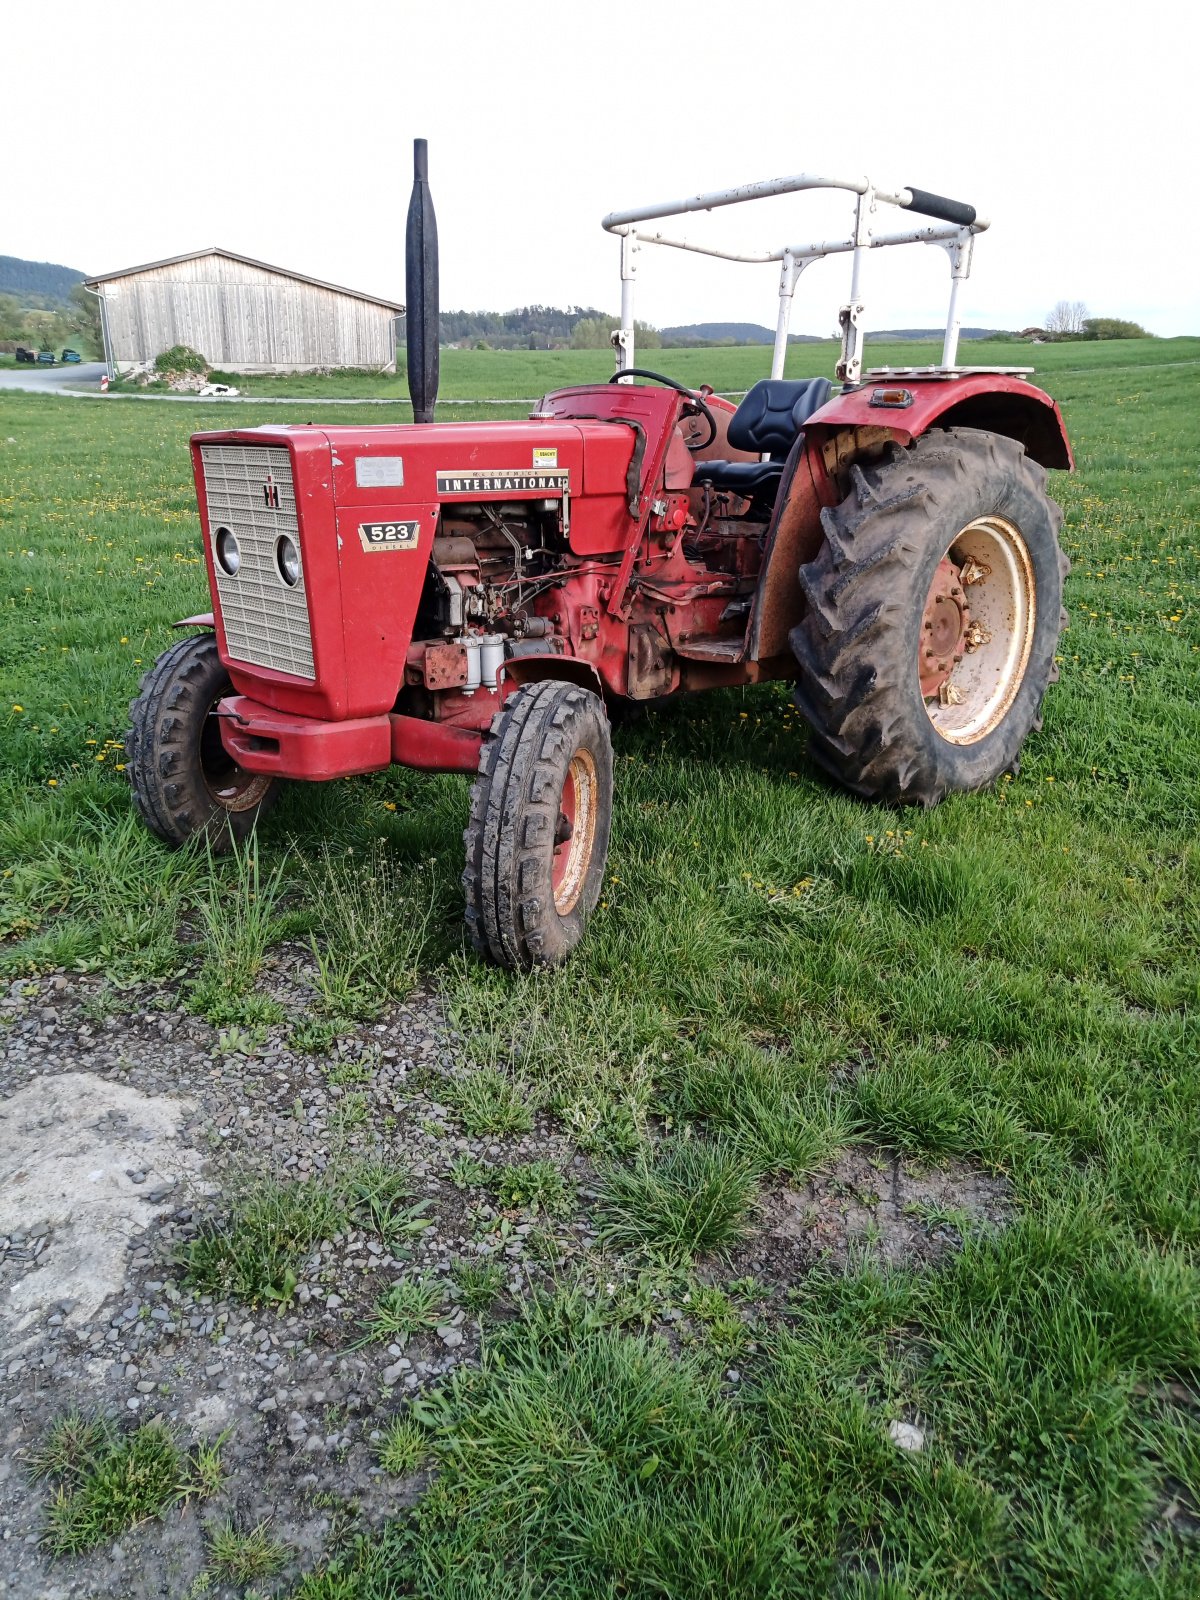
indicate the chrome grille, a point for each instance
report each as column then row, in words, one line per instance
column 266, row 622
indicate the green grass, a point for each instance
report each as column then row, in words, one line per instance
column 409, row 1306
column 776, row 970
column 533, row 1186
column 686, row 1198
column 403, row 1447
column 245, row 1556
column 104, row 1482
column 489, row 1103
column 255, row 1248
column 477, row 1284
column 526, row 374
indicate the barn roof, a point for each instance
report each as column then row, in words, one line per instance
column 249, row 261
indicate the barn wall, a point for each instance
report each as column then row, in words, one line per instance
column 243, row 318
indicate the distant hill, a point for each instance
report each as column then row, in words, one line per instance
column 716, row 333
column 930, row 333
column 39, row 284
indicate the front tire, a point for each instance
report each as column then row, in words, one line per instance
column 185, row 783
column 934, row 611
column 541, row 813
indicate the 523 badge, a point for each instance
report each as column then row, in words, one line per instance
column 389, row 535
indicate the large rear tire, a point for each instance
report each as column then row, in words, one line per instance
column 185, row 783
column 541, row 812
column 934, row 608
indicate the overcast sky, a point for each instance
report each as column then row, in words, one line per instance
column 133, row 131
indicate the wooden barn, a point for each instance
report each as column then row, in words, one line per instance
column 242, row 316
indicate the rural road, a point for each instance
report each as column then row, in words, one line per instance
column 47, row 379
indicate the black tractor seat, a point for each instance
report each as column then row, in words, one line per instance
column 769, row 420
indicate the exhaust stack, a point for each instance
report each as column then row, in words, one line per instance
column 421, row 289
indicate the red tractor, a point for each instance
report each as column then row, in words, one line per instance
column 472, row 597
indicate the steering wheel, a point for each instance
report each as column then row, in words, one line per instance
column 696, row 406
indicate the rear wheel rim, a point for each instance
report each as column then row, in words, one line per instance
column 229, row 786
column 985, row 666
column 575, row 835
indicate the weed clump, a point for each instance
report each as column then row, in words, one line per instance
column 403, row 1447
column 477, row 1284
column 255, row 1251
column 533, row 1186
column 688, row 1198
column 410, row 1305
column 245, row 1557
column 106, row 1482
column 488, row 1103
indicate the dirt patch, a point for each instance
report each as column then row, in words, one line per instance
column 85, row 1166
column 870, row 1205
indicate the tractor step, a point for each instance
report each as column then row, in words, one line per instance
column 712, row 649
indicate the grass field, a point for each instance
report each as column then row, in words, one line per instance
column 521, row 374
column 776, row 972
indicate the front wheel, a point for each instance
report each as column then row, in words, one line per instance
column 934, row 610
column 185, row 783
column 541, row 811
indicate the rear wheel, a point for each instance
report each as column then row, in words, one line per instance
column 185, row 783
column 541, row 811
column 934, row 610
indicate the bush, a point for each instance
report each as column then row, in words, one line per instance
column 180, row 358
column 1113, row 328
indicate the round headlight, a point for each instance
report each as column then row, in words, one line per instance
column 287, row 559
column 229, row 554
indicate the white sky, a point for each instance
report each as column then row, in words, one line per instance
column 284, row 131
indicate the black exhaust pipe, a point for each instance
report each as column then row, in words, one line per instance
column 421, row 289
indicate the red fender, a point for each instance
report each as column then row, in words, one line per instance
column 994, row 402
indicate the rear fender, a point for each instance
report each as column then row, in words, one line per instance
column 849, row 427
column 992, row 402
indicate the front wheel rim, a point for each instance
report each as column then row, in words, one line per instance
column 576, row 833
column 229, row 786
column 995, row 572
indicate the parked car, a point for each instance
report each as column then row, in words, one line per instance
column 71, row 357
column 46, row 357
column 25, row 355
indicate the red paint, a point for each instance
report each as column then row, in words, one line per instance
column 562, row 850
column 640, row 611
column 262, row 739
column 987, row 400
column 434, row 746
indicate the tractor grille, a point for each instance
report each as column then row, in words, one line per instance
column 250, row 490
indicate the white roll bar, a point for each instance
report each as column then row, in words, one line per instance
column 955, row 234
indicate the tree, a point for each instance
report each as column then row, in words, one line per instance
column 1067, row 317
column 592, row 333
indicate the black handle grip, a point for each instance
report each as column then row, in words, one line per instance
column 936, row 205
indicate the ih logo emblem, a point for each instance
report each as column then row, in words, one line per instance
column 389, row 535
column 271, row 494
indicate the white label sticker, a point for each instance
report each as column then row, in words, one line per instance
column 379, row 472
column 545, row 458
